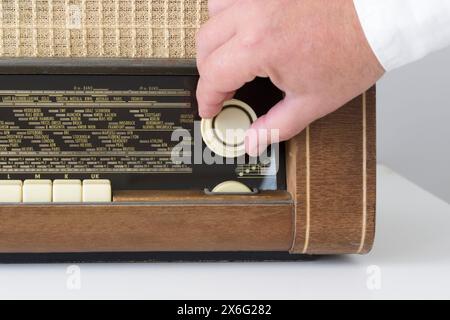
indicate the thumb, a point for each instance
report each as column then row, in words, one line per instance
column 284, row 121
column 210, row 100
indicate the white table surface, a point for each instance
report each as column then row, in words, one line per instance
column 411, row 259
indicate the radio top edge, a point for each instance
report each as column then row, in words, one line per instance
column 99, row 66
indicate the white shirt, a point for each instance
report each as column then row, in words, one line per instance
column 402, row 31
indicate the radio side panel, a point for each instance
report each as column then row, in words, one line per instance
column 331, row 173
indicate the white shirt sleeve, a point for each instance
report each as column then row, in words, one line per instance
column 403, row 31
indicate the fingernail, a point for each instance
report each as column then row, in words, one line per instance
column 204, row 115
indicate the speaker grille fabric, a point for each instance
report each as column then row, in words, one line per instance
column 100, row 28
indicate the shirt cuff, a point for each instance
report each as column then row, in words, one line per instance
column 403, row 31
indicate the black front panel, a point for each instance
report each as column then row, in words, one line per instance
column 118, row 127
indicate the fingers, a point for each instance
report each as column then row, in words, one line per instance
column 210, row 100
column 214, row 33
column 217, row 6
column 222, row 73
column 284, row 121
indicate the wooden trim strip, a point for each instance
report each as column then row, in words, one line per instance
column 308, row 189
column 364, row 168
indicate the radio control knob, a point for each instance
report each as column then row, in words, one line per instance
column 225, row 133
column 231, row 187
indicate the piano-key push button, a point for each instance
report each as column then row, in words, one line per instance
column 10, row 191
column 68, row 191
column 97, row 191
column 37, row 191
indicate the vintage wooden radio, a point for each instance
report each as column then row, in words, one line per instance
column 93, row 107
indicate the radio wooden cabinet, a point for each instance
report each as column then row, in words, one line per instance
column 96, row 98
column 56, row 112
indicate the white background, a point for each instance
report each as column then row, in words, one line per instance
column 414, row 122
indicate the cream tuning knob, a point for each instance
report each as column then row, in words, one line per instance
column 231, row 187
column 225, row 133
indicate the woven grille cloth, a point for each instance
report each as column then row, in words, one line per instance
column 100, row 28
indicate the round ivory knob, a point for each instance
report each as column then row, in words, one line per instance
column 231, row 187
column 225, row 133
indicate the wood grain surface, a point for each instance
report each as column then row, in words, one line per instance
column 331, row 176
column 193, row 224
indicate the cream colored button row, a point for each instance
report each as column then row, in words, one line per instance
column 62, row 191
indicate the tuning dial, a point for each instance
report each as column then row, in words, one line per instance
column 225, row 133
column 231, row 187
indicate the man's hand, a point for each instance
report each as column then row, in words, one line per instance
column 313, row 50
